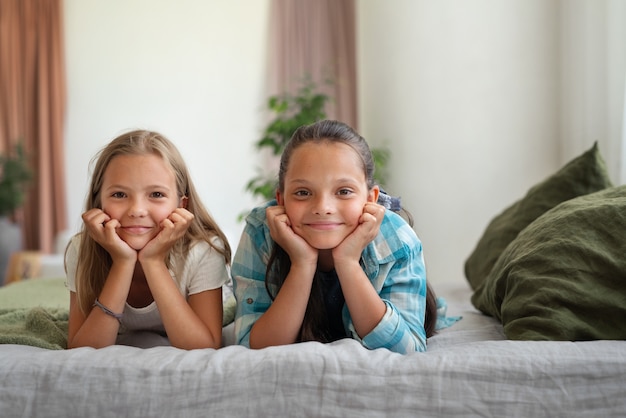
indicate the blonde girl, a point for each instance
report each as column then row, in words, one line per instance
column 149, row 264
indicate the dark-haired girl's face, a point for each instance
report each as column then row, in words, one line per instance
column 325, row 190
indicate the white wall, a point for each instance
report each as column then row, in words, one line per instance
column 479, row 100
column 465, row 93
column 192, row 70
column 593, row 82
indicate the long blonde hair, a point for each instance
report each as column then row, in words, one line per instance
column 94, row 261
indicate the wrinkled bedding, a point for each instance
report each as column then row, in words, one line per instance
column 469, row 370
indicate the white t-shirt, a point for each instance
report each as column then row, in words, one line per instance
column 204, row 269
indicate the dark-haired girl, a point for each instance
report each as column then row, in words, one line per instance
column 325, row 261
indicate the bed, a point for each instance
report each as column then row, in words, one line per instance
column 470, row 369
column 543, row 307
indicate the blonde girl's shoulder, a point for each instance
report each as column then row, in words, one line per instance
column 200, row 249
column 71, row 262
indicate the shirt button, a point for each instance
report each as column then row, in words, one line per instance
column 249, row 301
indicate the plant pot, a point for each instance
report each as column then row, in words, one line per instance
column 10, row 242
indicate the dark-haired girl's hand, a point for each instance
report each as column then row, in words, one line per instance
column 353, row 245
column 173, row 228
column 103, row 229
column 363, row 301
column 282, row 233
column 281, row 322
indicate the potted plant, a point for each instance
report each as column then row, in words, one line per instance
column 290, row 112
column 15, row 173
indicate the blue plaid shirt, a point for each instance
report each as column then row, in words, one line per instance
column 393, row 262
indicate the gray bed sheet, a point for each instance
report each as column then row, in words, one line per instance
column 469, row 370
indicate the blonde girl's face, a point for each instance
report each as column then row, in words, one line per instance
column 140, row 192
column 325, row 190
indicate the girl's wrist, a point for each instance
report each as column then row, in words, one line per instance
column 108, row 311
column 347, row 265
column 153, row 264
column 123, row 264
column 124, row 258
column 303, row 269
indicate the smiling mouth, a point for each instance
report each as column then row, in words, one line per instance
column 137, row 230
column 323, row 226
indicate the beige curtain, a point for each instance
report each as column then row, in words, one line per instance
column 315, row 39
column 32, row 109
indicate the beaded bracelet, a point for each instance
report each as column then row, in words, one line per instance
column 107, row 311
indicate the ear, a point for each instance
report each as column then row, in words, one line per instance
column 183, row 202
column 372, row 196
column 279, row 198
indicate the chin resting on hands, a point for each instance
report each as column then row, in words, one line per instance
column 369, row 225
column 173, row 228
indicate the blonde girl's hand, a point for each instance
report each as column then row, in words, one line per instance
column 369, row 224
column 173, row 228
column 283, row 234
column 103, row 229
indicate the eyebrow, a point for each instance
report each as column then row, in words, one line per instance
column 149, row 187
column 343, row 180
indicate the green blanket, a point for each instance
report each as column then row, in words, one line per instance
column 564, row 276
column 35, row 312
column 31, row 293
column 39, row 327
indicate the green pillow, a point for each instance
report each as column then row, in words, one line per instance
column 564, row 276
column 583, row 175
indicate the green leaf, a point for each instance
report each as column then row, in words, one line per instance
column 15, row 174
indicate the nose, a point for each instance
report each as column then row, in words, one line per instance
column 137, row 208
column 323, row 205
